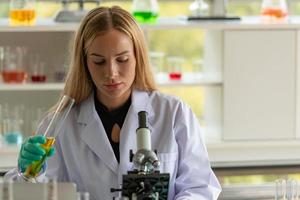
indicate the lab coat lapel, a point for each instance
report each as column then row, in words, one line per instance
column 94, row 134
column 139, row 102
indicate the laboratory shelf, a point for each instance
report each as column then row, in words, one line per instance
column 188, row 79
column 32, row 87
column 165, row 23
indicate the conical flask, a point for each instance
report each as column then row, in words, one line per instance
column 274, row 10
column 145, row 11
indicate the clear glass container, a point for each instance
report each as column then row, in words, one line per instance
column 14, row 70
column 274, row 10
column 22, row 12
column 175, row 65
column 145, row 11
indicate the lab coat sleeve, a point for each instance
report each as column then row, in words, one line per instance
column 195, row 179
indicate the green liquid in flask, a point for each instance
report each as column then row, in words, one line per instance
column 145, row 16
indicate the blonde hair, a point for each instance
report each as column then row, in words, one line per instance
column 79, row 84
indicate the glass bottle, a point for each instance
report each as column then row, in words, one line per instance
column 145, row 11
column 22, row 12
column 274, row 10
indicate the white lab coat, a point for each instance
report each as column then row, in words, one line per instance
column 84, row 154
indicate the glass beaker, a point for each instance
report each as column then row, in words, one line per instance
column 175, row 65
column 156, row 61
column 22, row 12
column 145, row 11
column 274, row 10
column 38, row 74
column 14, row 66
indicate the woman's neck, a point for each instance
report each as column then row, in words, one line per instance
column 113, row 103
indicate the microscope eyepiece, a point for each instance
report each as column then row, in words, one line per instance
column 143, row 119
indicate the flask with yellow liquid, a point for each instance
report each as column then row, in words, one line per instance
column 22, row 13
column 145, row 11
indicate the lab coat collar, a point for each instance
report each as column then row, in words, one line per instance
column 97, row 140
column 94, row 134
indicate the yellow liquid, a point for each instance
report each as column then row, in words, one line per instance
column 34, row 169
column 22, row 17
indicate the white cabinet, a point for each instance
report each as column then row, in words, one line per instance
column 259, row 84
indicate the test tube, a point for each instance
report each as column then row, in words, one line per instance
column 54, row 126
column 7, row 190
column 83, row 196
column 51, row 188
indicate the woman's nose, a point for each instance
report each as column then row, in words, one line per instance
column 112, row 70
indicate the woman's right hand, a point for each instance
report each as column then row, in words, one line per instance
column 32, row 151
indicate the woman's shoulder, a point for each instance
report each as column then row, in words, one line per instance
column 163, row 99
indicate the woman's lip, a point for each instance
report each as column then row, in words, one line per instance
column 113, row 86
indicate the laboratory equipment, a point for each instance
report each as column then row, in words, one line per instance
column 217, row 10
column 145, row 181
column 145, row 11
column 175, row 65
column 38, row 191
column 7, row 190
column 22, row 12
column 54, row 126
column 199, row 8
column 67, row 15
column 274, row 10
column 83, row 196
column 51, row 188
column 14, row 70
column 157, row 61
column 12, row 124
column 38, row 74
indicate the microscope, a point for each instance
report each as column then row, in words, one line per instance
column 145, row 182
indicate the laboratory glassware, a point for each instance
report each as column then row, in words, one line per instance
column 175, row 65
column 274, row 10
column 156, row 61
column 14, row 70
column 22, row 12
column 199, row 8
column 7, row 190
column 145, row 11
column 52, row 193
column 54, row 126
column 12, row 124
column 38, row 74
column 83, row 196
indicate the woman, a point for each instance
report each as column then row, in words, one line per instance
column 111, row 81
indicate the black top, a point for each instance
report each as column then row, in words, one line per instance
column 110, row 118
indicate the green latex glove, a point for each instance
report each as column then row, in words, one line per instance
column 32, row 151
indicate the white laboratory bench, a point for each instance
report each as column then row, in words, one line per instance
column 222, row 155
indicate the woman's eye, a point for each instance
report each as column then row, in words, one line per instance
column 99, row 62
column 125, row 59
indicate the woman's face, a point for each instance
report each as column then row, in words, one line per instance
column 111, row 63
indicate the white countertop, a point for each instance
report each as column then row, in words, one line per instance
column 222, row 154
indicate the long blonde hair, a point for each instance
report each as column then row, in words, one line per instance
column 79, row 84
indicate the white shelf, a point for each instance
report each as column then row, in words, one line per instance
column 260, row 153
column 32, row 87
column 188, row 79
column 48, row 25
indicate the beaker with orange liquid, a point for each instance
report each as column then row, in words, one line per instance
column 22, row 13
column 274, row 10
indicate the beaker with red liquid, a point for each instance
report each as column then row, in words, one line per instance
column 14, row 65
column 175, row 65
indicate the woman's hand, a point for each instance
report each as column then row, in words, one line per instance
column 32, row 151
